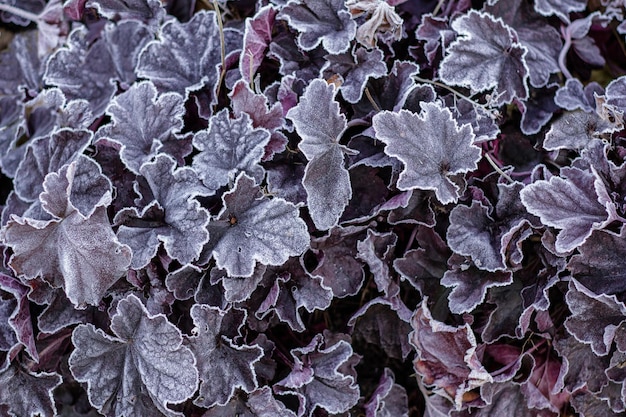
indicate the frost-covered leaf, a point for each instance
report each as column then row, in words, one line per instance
column 384, row 323
column 260, row 403
column 142, row 122
column 253, row 228
column 355, row 68
column 320, row 21
column 595, row 318
column 381, row 19
column 186, row 55
column 45, row 155
column 377, row 251
column 389, row 399
column 446, row 355
column 600, row 264
column 432, row 147
column 80, row 254
column 575, row 130
column 30, row 394
column 17, row 318
column 256, row 41
column 573, row 96
column 569, row 203
column 560, row 8
column 581, row 367
column 469, row 284
column 227, row 148
column 140, row 369
column 487, row 55
column 320, row 125
column 174, row 217
column 223, row 365
column 316, row 379
column 541, row 40
column 144, row 10
column 20, row 64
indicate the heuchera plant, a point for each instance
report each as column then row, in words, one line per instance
column 310, row 208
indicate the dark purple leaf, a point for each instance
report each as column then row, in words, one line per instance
column 316, row 379
column 260, row 403
column 388, row 399
column 436, row 32
column 486, row 56
column 229, row 147
column 80, row 254
column 252, row 227
column 355, row 68
column 595, row 318
column 174, row 217
column 432, row 147
column 140, row 369
column 144, row 10
column 575, row 130
column 223, row 366
column 320, row 21
column 581, row 367
column 377, row 251
column 256, row 41
column 19, row 318
column 573, row 96
column 560, row 8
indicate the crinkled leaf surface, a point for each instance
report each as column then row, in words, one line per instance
column 581, row 367
column 356, row 67
column 80, row 254
column 377, row 251
column 185, row 56
column 260, row 403
column 30, row 394
column 316, row 379
column 388, row 399
column 223, row 366
column 142, row 122
column 485, row 56
column 574, row 130
column 256, row 41
column 320, row 21
column 144, row 10
column 17, row 317
column 253, row 228
column 574, row 96
column 228, row 147
column 432, row 147
column 446, row 355
column 560, row 8
column 141, row 369
column 595, row 318
column 174, row 218
column 320, row 125
column 569, row 203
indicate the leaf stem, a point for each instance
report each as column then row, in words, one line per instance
column 19, row 12
column 497, row 168
column 563, row 54
column 438, row 7
column 220, row 24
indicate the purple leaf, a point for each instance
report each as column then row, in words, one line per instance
column 223, row 366
column 316, row 379
column 174, row 217
column 244, row 100
column 327, row 22
column 569, row 203
column 142, row 123
column 469, row 284
column 381, row 19
column 30, row 394
column 376, row 250
column 320, row 125
column 355, row 68
column 144, row 10
column 256, row 41
column 573, row 96
column 388, row 399
column 238, row 289
column 80, row 254
column 260, row 403
column 19, row 318
column 436, row 32
column 486, row 56
column 595, row 318
column 560, row 8
column 581, row 367
column 575, row 130
column 45, row 155
column 541, row 40
column 227, row 148
column 384, row 323
column 253, row 228
column 338, row 266
column 140, row 370
column 446, row 355
column 433, row 149
column 186, row 55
